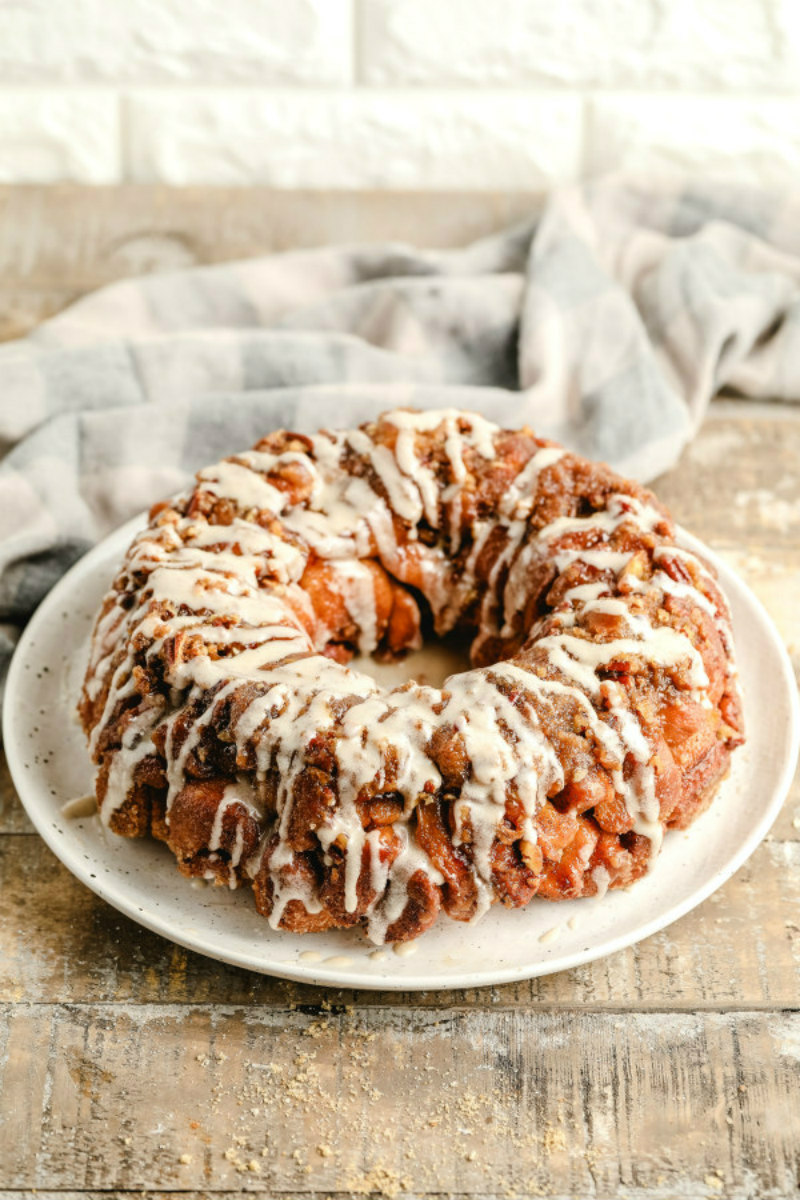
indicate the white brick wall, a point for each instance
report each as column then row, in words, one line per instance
column 48, row 135
column 756, row 139
column 353, row 138
column 397, row 93
column 258, row 42
column 580, row 44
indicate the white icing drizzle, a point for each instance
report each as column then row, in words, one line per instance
column 358, row 590
column 405, row 949
column 579, row 658
column 239, row 793
column 519, row 499
column 79, row 806
column 136, row 745
column 228, row 479
column 219, row 606
column 601, row 879
column 550, row 935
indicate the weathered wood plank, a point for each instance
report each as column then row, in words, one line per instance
column 59, row 942
column 738, row 484
column 403, row 1101
column 57, row 243
column 22, row 308
column 13, row 818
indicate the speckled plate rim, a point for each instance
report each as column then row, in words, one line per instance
column 772, row 748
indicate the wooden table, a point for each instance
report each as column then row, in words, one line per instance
column 127, row 1064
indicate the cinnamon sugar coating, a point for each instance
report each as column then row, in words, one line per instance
column 601, row 708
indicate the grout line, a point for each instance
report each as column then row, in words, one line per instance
column 530, row 87
column 401, row 89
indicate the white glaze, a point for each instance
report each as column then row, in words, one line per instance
column 550, row 935
column 80, row 806
column 222, row 605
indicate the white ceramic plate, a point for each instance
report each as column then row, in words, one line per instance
column 49, row 763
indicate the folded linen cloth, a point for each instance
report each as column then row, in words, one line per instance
column 608, row 323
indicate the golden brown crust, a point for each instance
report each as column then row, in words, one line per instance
column 583, row 835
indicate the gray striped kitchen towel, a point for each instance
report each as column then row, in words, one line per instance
column 608, row 323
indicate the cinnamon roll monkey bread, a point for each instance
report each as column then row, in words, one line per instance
column 600, row 709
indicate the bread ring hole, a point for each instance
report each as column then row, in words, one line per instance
column 436, row 659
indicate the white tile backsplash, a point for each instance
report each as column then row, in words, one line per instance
column 467, row 94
